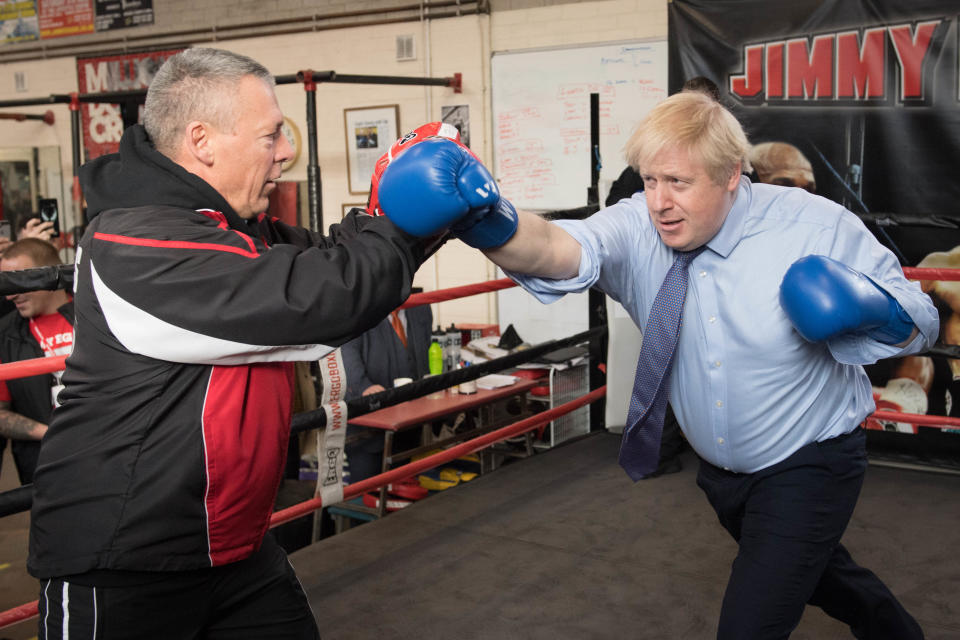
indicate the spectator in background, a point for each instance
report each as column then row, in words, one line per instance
column 40, row 326
column 395, row 348
column 36, row 227
column 32, row 227
column 783, row 164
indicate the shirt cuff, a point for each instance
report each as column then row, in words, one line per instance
column 548, row 290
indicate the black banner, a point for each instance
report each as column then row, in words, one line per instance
column 119, row 14
column 868, row 91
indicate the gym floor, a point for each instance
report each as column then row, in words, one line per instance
column 563, row 546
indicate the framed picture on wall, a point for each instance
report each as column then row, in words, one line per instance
column 369, row 133
column 346, row 206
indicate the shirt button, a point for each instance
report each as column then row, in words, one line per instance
column 717, row 363
column 719, row 440
column 713, row 318
column 703, row 274
column 719, row 403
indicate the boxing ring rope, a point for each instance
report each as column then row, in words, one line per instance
column 919, row 419
column 441, row 295
column 32, row 367
column 61, row 277
column 925, row 273
column 20, row 498
column 454, row 452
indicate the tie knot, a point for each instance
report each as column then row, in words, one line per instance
column 686, row 257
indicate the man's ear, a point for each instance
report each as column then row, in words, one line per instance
column 199, row 142
column 734, row 180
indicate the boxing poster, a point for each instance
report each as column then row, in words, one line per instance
column 102, row 123
column 858, row 101
column 61, row 18
column 18, row 21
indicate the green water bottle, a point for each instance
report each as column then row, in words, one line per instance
column 435, row 357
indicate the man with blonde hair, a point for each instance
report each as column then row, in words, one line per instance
column 787, row 296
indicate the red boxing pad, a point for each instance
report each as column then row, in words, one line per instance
column 421, row 133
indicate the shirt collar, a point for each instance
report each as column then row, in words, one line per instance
column 732, row 229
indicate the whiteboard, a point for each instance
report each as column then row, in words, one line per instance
column 541, row 112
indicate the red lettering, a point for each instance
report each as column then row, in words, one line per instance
column 911, row 48
column 810, row 75
column 337, row 417
column 750, row 83
column 775, row 70
column 860, row 67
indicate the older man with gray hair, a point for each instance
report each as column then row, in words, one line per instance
column 158, row 475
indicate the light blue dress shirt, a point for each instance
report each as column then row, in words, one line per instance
column 747, row 390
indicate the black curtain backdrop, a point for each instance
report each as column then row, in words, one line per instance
column 889, row 145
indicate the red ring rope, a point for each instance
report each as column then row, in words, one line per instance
column 923, row 420
column 26, row 368
column 38, row 366
column 33, row 367
column 923, row 273
column 441, row 295
column 19, row 614
column 462, row 449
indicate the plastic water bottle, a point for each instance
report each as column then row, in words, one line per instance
column 435, row 357
column 453, row 348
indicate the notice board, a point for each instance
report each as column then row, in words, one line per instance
column 541, row 111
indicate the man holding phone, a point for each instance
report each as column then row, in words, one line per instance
column 50, row 215
column 33, row 227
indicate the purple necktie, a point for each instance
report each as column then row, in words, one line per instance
column 640, row 447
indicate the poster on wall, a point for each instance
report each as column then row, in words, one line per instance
column 60, row 18
column 459, row 116
column 102, row 123
column 120, row 14
column 369, row 132
column 18, row 21
column 867, row 93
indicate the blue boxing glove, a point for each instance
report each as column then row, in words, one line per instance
column 439, row 184
column 824, row 298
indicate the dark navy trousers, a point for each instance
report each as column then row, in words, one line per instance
column 788, row 520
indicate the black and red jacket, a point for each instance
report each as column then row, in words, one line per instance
column 168, row 448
